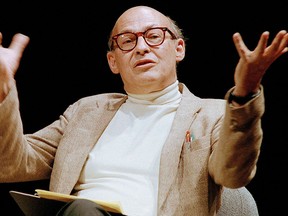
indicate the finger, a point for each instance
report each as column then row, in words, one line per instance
column 19, row 42
column 279, row 44
column 239, row 44
column 284, row 50
column 262, row 44
column 284, row 42
column 0, row 39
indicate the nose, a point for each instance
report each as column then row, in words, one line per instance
column 141, row 46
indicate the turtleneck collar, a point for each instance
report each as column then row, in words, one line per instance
column 168, row 95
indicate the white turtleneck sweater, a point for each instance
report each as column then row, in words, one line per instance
column 124, row 164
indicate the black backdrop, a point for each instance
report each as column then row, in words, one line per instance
column 66, row 60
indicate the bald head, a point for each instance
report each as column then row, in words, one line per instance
column 140, row 14
column 133, row 18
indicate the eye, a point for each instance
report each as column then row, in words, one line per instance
column 153, row 36
column 127, row 38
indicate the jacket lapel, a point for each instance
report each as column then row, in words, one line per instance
column 171, row 151
column 82, row 134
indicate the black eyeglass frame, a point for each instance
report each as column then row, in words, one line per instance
column 138, row 34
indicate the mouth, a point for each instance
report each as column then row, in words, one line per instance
column 145, row 62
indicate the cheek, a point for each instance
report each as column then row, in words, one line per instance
column 168, row 52
column 122, row 65
column 124, row 68
column 123, row 60
column 168, row 58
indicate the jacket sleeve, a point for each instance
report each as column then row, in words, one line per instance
column 233, row 161
column 25, row 157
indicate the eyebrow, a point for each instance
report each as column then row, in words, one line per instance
column 147, row 27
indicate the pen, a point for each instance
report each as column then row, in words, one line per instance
column 188, row 139
column 188, row 136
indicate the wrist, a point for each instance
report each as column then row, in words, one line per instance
column 242, row 99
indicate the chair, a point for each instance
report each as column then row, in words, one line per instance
column 238, row 202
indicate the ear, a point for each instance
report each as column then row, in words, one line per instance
column 180, row 50
column 112, row 62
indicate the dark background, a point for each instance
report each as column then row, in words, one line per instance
column 66, row 60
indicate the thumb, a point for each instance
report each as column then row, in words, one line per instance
column 19, row 43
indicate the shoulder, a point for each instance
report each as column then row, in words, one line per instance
column 105, row 101
column 104, row 97
column 203, row 103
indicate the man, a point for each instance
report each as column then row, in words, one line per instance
column 159, row 149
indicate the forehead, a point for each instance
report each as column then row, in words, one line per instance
column 139, row 19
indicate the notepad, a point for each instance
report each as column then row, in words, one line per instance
column 47, row 203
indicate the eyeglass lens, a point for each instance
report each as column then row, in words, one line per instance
column 152, row 37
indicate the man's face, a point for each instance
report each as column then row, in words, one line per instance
column 145, row 69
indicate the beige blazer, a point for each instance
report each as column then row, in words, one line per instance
column 60, row 150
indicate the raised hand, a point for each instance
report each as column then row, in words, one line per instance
column 9, row 61
column 252, row 65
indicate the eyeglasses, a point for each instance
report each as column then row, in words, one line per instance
column 127, row 41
